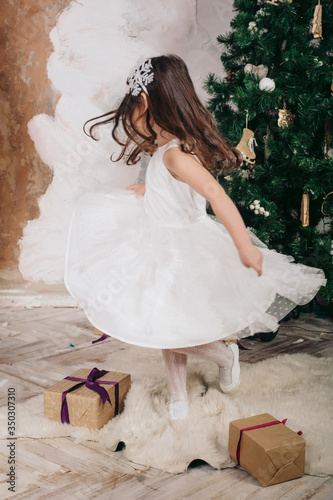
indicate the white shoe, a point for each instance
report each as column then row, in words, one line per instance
column 235, row 370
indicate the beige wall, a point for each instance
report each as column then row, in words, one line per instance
column 24, row 91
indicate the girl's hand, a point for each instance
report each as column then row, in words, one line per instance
column 251, row 257
column 139, row 188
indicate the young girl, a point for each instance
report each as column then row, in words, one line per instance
column 149, row 266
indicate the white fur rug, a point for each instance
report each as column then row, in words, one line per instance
column 297, row 387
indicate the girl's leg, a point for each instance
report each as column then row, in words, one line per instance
column 176, row 366
column 217, row 352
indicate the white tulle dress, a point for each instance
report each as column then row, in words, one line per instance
column 158, row 271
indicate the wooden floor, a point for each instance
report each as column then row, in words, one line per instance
column 35, row 331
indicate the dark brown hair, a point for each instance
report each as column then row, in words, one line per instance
column 173, row 105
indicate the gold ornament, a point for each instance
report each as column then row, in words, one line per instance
column 285, row 117
column 317, row 22
column 275, row 2
column 246, row 146
column 305, row 210
column 261, row 71
column 247, row 142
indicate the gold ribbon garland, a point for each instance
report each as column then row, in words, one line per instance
column 305, row 210
column 317, row 28
column 285, row 116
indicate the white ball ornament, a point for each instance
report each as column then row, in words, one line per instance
column 267, row 84
column 252, row 26
column 255, row 206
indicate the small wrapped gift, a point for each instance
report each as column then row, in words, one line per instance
column 87, row 398
column 267, row 449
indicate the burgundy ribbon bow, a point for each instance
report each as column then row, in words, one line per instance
column 258, row 427
column 92, row 384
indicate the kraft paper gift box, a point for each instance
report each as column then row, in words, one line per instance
column 90, row 401
column 267, row 449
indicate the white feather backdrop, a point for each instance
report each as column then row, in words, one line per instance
column 96, row 42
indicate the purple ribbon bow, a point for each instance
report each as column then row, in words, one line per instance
column 92, row 384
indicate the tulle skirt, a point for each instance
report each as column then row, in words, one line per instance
column 157, row 285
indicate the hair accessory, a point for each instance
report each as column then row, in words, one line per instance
column 141, row 75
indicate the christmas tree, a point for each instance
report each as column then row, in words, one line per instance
column 276, row 106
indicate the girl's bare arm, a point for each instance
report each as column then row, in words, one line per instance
column 189, row 170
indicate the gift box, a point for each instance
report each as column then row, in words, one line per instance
column 87, row 398
column 267, row 449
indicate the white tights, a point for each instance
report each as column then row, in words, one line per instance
column 176, row 366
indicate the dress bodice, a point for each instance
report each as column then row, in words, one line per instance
column 168, row 200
